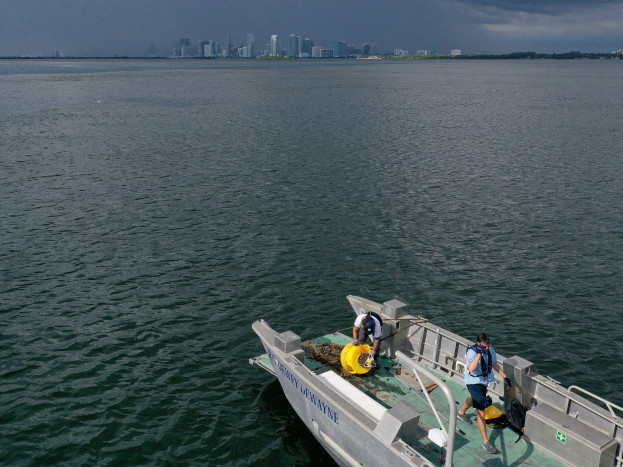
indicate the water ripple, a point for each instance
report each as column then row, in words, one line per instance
column 144, row 233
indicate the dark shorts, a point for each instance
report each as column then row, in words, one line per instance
column 479, row 395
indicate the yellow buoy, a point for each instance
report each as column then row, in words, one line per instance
column 350, row 358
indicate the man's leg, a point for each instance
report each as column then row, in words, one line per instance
column 461, row 413
column 482, row 425
column 466, row 405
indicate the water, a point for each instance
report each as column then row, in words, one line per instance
column 152, row 210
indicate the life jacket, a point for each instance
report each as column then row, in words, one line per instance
column 485, row 367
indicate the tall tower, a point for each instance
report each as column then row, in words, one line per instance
column 230, row 45
column 294, row 44
column 251, row 45
column 274, row 45
column 307, row 46
column 212, row 49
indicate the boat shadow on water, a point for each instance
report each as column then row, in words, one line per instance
column 291, row 442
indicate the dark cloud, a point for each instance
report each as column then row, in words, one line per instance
column 541, row 6
column 104, row 27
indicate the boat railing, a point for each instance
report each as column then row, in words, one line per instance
column 616, row 426
column 567, row 400
column 613, row 421
column 445, row 346
column 441, row 349
column 417, row 369
column 609, row 405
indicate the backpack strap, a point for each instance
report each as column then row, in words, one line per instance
column 378, row 317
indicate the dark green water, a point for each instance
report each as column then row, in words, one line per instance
column 151, row 211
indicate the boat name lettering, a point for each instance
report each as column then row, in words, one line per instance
column 308, row 393
column 317, row 401
column 283, row 369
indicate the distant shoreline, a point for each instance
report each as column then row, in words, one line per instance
column 573, row 55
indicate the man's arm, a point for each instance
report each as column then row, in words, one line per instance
column 507, row 380
column 498, row 368
column 474, row 363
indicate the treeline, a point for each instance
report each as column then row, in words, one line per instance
column 573, row 55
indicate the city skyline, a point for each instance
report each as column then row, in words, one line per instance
column 104, row 28
column 292, row 46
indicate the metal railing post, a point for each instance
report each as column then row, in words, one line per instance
column 407, row 362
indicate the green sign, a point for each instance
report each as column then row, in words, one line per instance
column 562, row 437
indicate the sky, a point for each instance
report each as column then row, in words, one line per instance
column 128, row 27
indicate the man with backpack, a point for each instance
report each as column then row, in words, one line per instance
column 367, row 324
column 480, row 361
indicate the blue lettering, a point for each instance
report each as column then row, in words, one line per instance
column 313, row 398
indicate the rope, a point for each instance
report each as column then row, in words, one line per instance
column 411, row 321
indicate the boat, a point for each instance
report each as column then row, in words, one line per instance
column 404, row 410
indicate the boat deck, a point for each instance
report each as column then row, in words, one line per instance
column 390, row 390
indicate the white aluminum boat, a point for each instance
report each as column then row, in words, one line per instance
column 391, row 417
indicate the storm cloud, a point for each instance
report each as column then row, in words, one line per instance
column 105, row 27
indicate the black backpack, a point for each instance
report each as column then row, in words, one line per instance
column 377, row 316
column 515, row 416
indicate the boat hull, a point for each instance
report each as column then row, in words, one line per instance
column 345, row 431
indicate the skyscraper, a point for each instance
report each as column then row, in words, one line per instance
column 250, row 45
column 230, row 46
column 212, row 49
column 274, row 45
column 340, row 49
column 307, row 46
column 184, row 48
column 294, row 43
